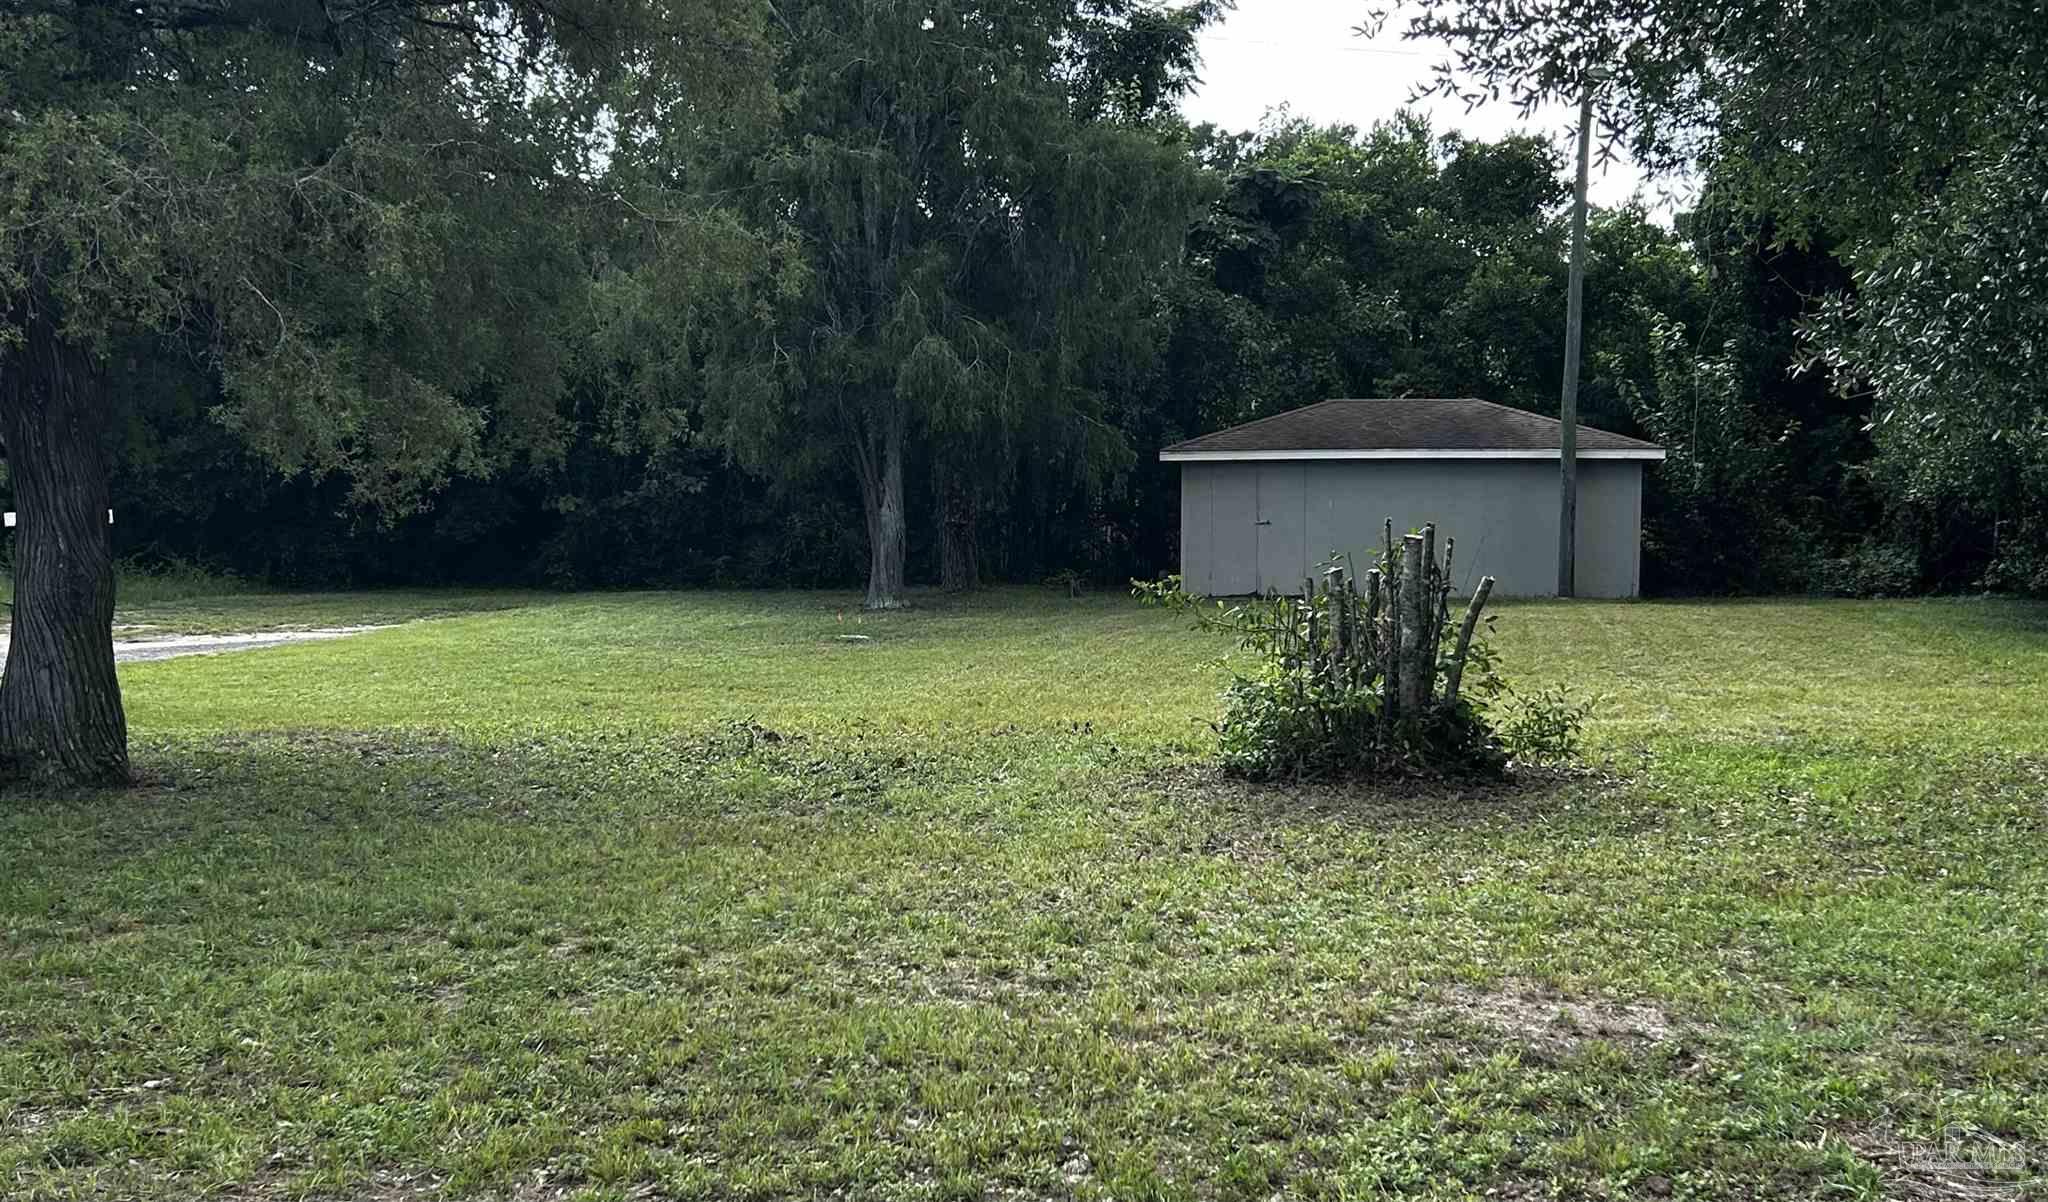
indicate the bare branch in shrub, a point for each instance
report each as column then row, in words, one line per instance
column 1454, row 676
column 1353, row 682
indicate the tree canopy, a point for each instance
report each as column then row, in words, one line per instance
column 367, row 221
column 1907, row 138
column 978, row 196
column 370, row 219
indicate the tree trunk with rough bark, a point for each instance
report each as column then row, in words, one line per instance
column 959, row 538
column 1418, row 675
column 881, row 488
column 60, row 702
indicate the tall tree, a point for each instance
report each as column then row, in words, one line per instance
column 1388, row 261
column 979, row 191
column 366, row 218
column 1913, row 134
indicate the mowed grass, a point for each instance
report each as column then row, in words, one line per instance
column 695, row 896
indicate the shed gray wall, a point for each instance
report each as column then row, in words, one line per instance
column 1252, row 526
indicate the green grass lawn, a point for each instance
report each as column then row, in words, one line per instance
column 684, row 895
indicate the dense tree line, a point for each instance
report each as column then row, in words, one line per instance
column 827, row 293
column 1907, row 143
column 1305, row 262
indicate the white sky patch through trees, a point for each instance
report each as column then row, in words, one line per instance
column 1306, row 55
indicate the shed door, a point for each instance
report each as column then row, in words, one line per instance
column 1282, row 526
column 1233, row 529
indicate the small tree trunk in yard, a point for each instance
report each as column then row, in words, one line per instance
column 881, row 487
column 1431, row 601
column 1390, row 653
column 1418, row 673
column 60, row 702
column 1454, row 678
column 959, row 542
column 1370, row 627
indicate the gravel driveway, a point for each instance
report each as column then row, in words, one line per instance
column 172, row 646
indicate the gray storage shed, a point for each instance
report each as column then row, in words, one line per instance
column 1262, row 504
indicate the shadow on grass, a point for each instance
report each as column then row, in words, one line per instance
column 736, row 771
column 1527, row 795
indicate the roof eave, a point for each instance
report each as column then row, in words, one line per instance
column 1170, row 455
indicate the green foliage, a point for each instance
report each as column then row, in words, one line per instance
column 1716, row 513
column 140, row 583
column 660, row 364
column 1391, row 261
column 1907, row 139
column 1543, row 727
column 2021, row 566
column 686, row 445
column 1699, row 82
column 1944, row 330
column 1280, row 723
column 979, row 195
column 373, row 222
column 1871, row 568
column 1310, row 695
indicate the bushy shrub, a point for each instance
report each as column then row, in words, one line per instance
column 1367, row 676
column 1538, row 728
column 1280, row 725
column 2022, row 570
column 1872, row 568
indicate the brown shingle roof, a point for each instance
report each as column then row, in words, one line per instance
column 1433, row 424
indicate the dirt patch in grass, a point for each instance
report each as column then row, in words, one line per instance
column 28, row 1120
column 1963, row 1165
column 1530, row 792
column 961, row 982
column 1552, row 1023
column 383, row 1185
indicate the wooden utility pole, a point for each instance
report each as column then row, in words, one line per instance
column 1574, row 323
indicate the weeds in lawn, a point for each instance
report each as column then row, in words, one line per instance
column 1543, row 727
column 530, row 904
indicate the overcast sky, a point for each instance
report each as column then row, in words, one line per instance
column 1305, row 55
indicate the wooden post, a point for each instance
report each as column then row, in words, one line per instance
column 1312, row 627
column 1568, row 403
column 1338, row 590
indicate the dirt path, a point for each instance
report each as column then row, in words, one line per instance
column 132, row 650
